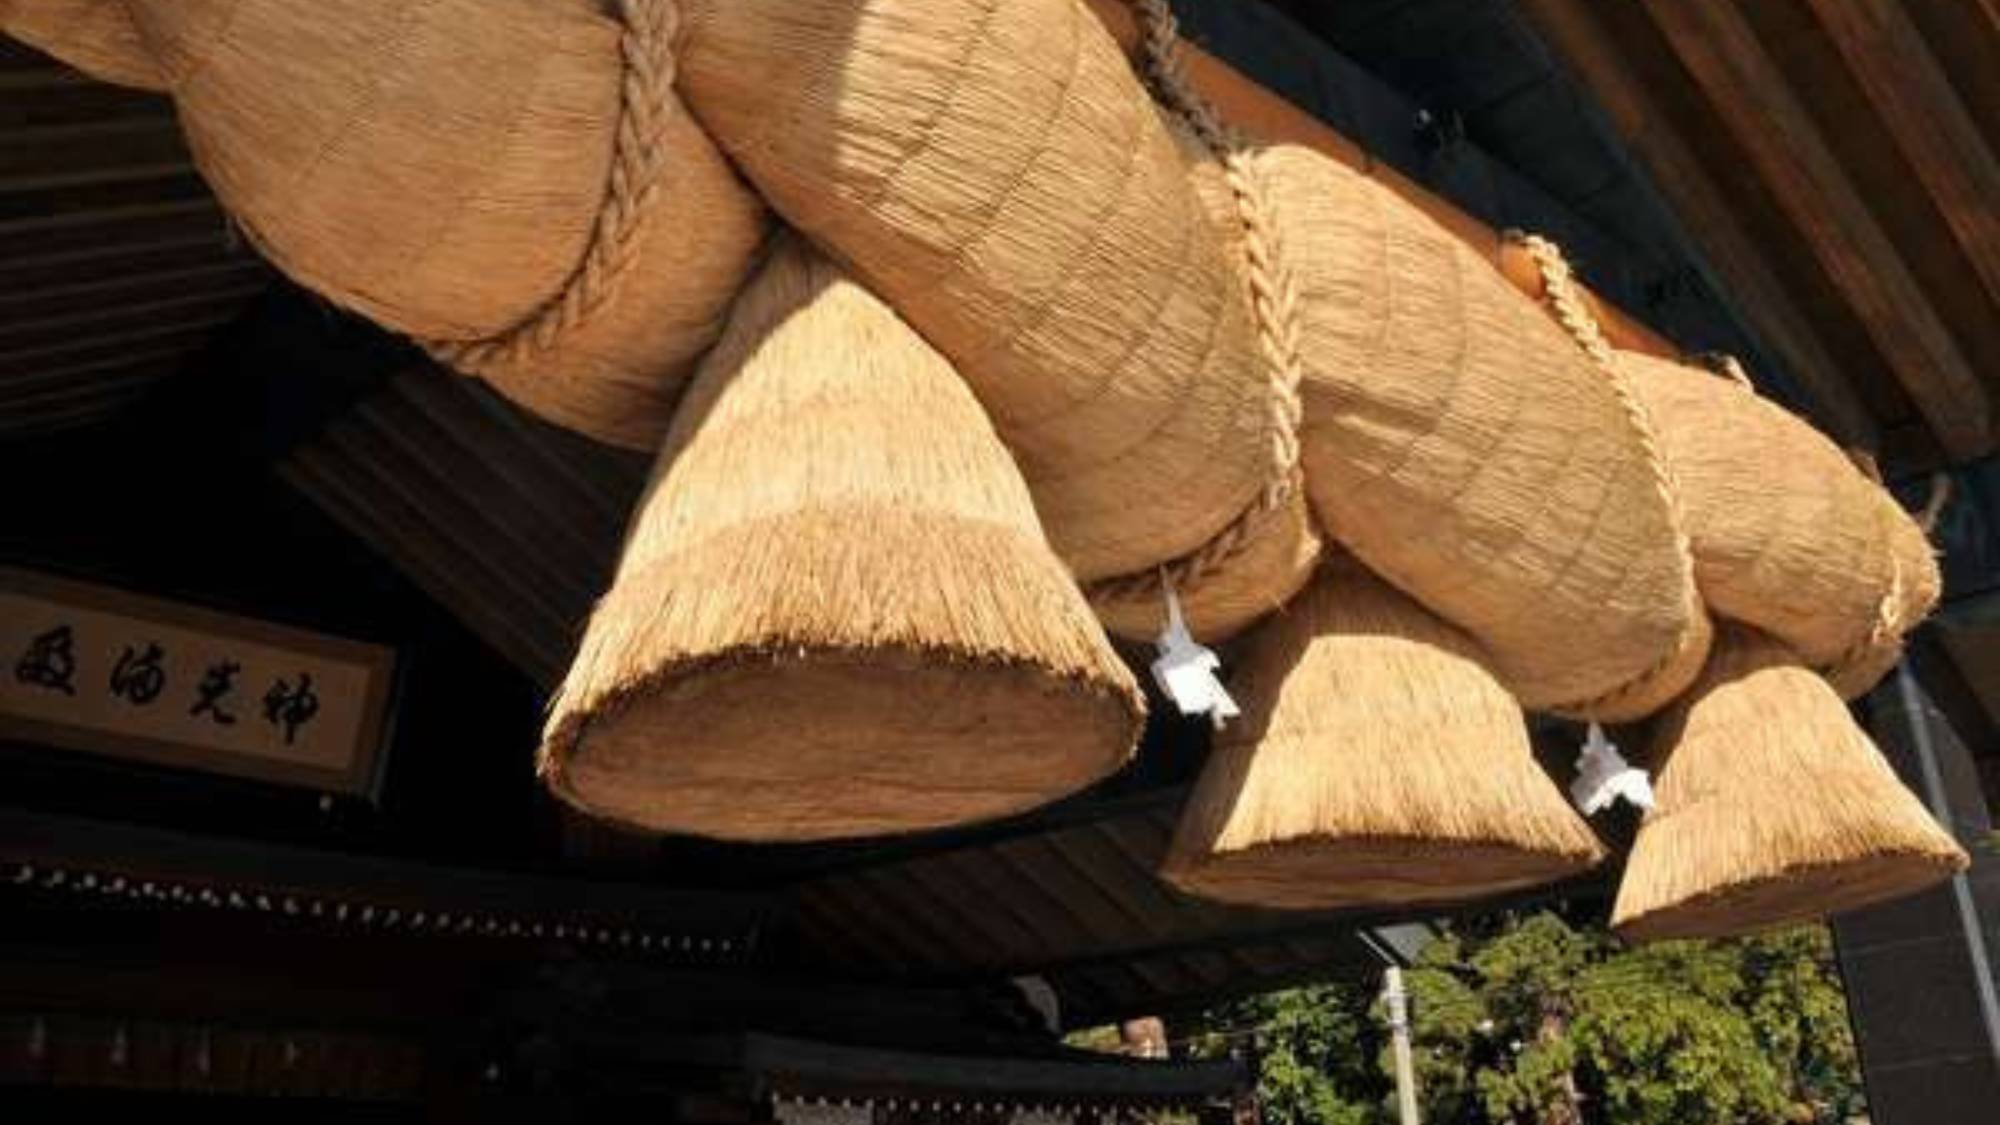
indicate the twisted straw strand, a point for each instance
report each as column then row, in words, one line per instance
column 1273, row 300
column 1566, row 301
column 646, row 102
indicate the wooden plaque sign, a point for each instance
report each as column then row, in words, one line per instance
column 91, row 668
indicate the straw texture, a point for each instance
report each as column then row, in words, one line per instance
column 835, row 614
column 1469, row 452
column 1772, row 807
column 1788, row 536
column 994, row 169
column 1377, row 762
column 1903, row 607
column 1228, row 590
column 94, row 36
column 1274, row 563
column 512, row 181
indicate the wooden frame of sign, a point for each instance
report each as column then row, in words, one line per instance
column 106, row 671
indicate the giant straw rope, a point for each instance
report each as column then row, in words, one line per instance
column 1887, row 623
column 1273, row 302
column 1568, row 306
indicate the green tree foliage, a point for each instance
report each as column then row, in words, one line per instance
column 1316, row 1049
column 1532, row 1021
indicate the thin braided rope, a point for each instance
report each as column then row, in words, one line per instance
column 1566, row 301
column 645, row 106
column 1273, row 302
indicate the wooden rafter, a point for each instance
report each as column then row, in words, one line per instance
column 1991, row 10
column 1888, row 56
column 1751, row 94
column 1576, row 31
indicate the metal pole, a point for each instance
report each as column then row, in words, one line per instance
column 1399, row 1031
column 1917, row 718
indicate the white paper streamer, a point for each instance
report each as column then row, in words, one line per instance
column 1185, row 669
column 1603, row 776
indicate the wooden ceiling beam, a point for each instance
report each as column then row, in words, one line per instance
column 41, row 356
column 830, row 932
column 974, row 932
column 878, row 918
column 1085, row 913
column 62, row 849
column 1143, row 842
column 1991, row 10
column 1040, row 932
column 1578, row 34
column 1751, row 94
column 1932, row 127
column 53, row 379
column 330, row 480
column 41, row 330
column 33, row 301
column 1112, row 915
column 1089, row 854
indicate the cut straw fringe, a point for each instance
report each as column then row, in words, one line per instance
column 835, row 614
column 1772, row 807
column 1377, row 762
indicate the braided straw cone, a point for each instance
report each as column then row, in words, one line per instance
column 1787, row 534
column 995, row 170
column 835, row 614
column 1467, row 450
column 1772, row 807
column 96, row 37
column 514, row 182
column 1377, row 762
